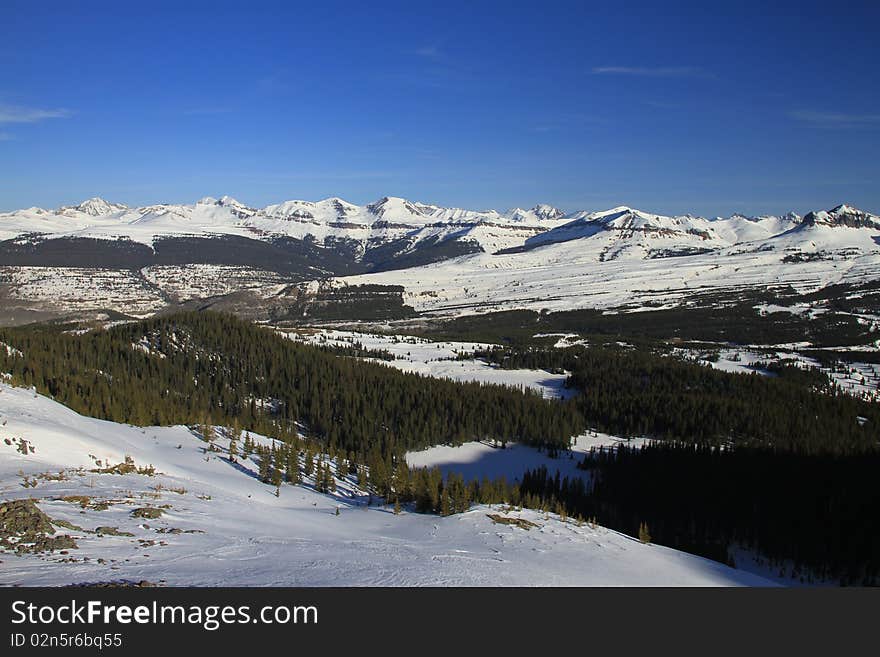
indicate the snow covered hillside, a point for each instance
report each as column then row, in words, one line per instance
column 264, row 263
column 182, row 514
column 627, row 259
column 367, row 226
column 448, row 261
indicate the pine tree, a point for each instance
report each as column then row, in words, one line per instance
column 328, row 478
column 275, row 474
column 644, row 534
column 309, row 465
column 265, row 464
column 320, row 477
column 445, row 504
column 233, row 448
column 208, row 434
column 292, row 467
column 402, row 484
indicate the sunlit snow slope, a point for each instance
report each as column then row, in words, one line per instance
column 221, row 526
column 450, row 261
column 629, row 259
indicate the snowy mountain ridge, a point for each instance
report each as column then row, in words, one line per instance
column 390, row 219
column 337, row 218
column 447, row 261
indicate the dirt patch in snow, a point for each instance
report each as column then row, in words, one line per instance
column 26, row 529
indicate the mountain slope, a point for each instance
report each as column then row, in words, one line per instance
column 623, row 258
column 447, row 260
column 216, row 515
column 629, row 233
column 373, row 235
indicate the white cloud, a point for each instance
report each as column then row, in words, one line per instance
column 429, row 52
column 656, row 72
column 18, row 114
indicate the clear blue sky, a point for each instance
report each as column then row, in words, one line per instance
column 680, row 108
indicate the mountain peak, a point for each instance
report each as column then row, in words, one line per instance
column 395, row 207
column 231, row 202
column 842, row 215
column 338, row 202
column 386, row 201
column 612, row 214
column 537, row 214
column 223, row 201
column 547, row 212
column 95, row 207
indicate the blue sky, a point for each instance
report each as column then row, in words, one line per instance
column 672, row 108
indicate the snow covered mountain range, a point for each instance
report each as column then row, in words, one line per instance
column 446, row 260
column 373, row 235
column 625, row 258
column 408, row 225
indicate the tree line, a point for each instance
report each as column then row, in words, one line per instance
column 639, row 392
column 183, row 368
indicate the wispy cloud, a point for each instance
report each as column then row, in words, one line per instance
column 429, row 52
column 835, row 119
column 19, row 114
column 653, row 72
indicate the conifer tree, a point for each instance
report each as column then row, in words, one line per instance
column 233, row 448
column 402, row 480
column 265, row 463
column 292, row 467
column 208, row 433
column 309, row 465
